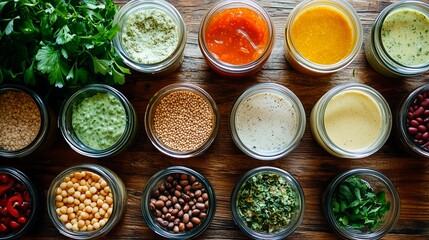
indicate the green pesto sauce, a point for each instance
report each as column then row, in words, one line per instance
column 405, row 36
column 150, row 36
column 99, row 121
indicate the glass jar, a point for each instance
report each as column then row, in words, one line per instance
column 351, row 120
column 383, row 56
column 245, row 60
column 376, row 183
column 411, row 126
column 88, row 116
column 267, row 121
column 60, row 190
column 13, row 178
column 182, row 120
column 165, row 65
column 339, row 10
column 187, row 183
column 296, row 212
column 40, row 135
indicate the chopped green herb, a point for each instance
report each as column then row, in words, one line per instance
column 64, row 42
column 266, row 202
column 355, row 205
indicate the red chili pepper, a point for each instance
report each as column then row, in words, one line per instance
column 5, row 187
column 11, row 203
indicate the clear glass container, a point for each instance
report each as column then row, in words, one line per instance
column 153, row 188
column 296, row 215
column 405, row 114
column 351, row 120
column 239, row 69
column 304, row 65
column 378, row 55
column 70, row 135
column 377, row 182
column 45, row 122
column 35, row 207
column 267, row 121
column 117, row 189
column 205, row 122
column 169, row 64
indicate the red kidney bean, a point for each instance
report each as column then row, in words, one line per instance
column 418, row 120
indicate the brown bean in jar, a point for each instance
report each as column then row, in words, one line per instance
column 178, row 203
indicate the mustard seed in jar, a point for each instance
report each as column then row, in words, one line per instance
column 183, row 121
column 20, row 120
column 84, row 201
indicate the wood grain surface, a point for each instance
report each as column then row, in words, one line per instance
column 224, row 163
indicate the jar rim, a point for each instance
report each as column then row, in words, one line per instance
column 318, row 125
column 156, row 179
column 67, row 129
column 232, row 68
column 176, row 56
column 287, row 94
column 119, row 200
column 376, row 39
column 349, row 12
column 288, row 230
column 44, row 122
column 152, row 106
column 379, row 177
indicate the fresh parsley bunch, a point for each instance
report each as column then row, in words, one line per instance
column 67, row 42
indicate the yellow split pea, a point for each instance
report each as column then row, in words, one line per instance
column 84, row 201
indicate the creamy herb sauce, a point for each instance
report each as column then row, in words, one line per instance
column 99, row 121
column 405, row 36
column 352, row 120
column 150, row 36
column 266, row 122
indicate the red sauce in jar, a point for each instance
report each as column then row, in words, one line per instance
column 237, row 36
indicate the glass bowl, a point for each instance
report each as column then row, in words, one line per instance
column 372, row 185
column 161, row 61
column 267, row 121
column 36, row 132
column 412, row 122
column 17, row 189
column 182, row 120
column 340, row 12
column 86, row 201
column 98, row 121
column 178, row 203
column 351, row 120
column 285, row 208
column 245, row 22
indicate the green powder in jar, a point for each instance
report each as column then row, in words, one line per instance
column 99, row 121
column 150, row 36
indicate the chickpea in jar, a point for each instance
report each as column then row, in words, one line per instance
column 84, row 201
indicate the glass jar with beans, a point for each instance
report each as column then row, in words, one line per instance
column 178, row 203
column 86, row 201
column 20, row 203
column 24, row 121
column 412, row 121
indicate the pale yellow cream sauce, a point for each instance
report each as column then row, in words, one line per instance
column 353, row 120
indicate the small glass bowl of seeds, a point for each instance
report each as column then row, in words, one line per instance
column 412, row 122
column 361, row 204
column 24, row 121
column 86, row 201
column 182, row 120
column 267, row 203
column 178, row 203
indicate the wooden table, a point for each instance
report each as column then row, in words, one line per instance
column 224, row 163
